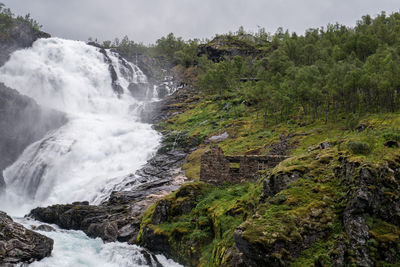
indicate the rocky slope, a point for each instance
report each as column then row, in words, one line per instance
column 20, row 245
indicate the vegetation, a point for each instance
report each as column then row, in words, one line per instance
column 8, row 19
column 199, row 232
column 335, row 86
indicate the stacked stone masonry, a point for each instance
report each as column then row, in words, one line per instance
column 216, row 168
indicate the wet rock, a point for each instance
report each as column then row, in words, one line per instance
column 69, row 216
column 150, row 258
column 129, row 232
column 164, row 109
column 161, row 212
column 107, row 231
column 83, row 203
column 162, row 91
column 43, row 227
column 138, row 90
column 18, row 244
column 156, row 243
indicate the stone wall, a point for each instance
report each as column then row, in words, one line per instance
column 216, row 168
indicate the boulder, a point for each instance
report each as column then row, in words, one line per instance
column 20, row 245
column 219, row 138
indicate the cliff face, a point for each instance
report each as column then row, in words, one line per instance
column 22, row 122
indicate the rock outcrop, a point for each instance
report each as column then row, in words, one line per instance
column 228, row 46
column 20, row 245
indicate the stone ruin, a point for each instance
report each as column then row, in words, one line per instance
column 216, row 168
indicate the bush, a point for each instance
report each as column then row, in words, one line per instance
column 352, row 122
column 359, row 147
column 392, row 136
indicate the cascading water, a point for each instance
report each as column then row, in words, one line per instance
column 103, row 139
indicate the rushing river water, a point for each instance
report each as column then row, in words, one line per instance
column 102, row 141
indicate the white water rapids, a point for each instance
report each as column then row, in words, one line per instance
column 102, row 141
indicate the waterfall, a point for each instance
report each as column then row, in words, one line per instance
column 103, row 139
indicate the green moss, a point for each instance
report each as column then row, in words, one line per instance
column 192, row 165
column 216, row 214
column 384, row 232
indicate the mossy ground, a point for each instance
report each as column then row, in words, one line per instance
column 209, row 226
column 312, row 204
column 250, row 134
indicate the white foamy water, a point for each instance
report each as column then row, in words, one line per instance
column 101, row 143
column 74, row 248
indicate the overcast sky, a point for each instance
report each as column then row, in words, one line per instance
column 147, row 20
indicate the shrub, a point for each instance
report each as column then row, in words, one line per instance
column 352, row 122
column 392, row 136
column 359, row 147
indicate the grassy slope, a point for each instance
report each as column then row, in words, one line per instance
column 205, row 234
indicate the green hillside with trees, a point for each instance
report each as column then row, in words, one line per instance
column 328, row 99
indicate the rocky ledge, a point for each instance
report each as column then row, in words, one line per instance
column 19, row 244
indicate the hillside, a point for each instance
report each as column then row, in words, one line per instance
column 328, row 100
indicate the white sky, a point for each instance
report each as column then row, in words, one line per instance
column 147, row 20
